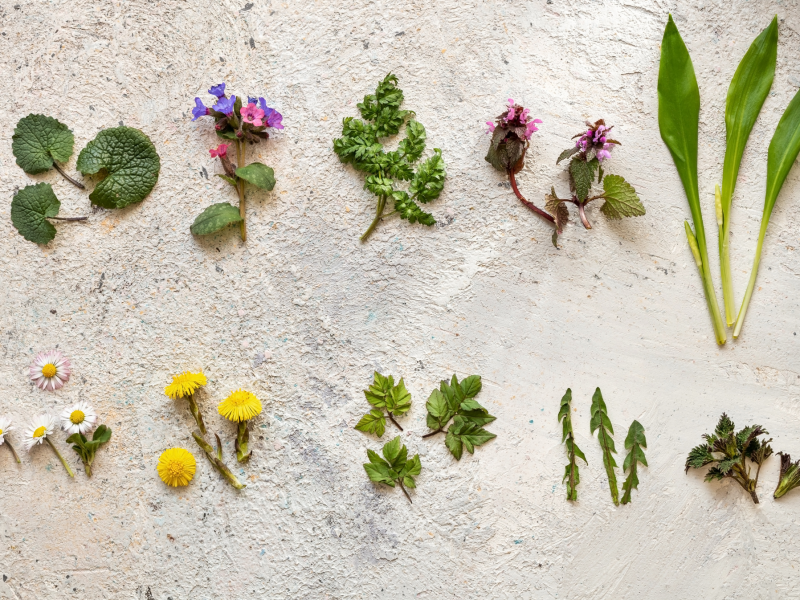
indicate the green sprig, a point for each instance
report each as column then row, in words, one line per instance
column 384, row 395
column 86, row 449
column 634, row 443
column 571, row 474
column 602, row 424
column 397, row 469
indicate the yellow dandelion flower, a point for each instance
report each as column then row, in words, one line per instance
column 240, row 406
column 185, row 384
column 176, row 467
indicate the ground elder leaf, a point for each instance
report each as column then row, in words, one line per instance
column 215, row 217
column 131, row 162
column 29, row 211
column 621, row 199
column 38, row 140
column 372, row 422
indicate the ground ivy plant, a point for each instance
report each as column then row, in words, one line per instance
column 40, row 142
column 587, row 158
column 238, row 124
column 31, row 210
column 361, row 147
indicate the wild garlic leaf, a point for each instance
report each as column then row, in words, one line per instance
column 372, row 422
column 258, row 174
column 571, row 473
column 131, row 162
column 38, row 140
column 215, row 217
column 30, row 208
column 621, row 199
column 634, row 442
column 602, row 424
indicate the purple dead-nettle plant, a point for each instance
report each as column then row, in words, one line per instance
column 240, row 124
column 589, row 155
column 511, row 133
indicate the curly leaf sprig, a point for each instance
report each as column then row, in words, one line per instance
column 571, row 474
column 602, row 424
column 360, row 147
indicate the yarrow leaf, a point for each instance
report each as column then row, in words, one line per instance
column 30, row 208
column 38, row 140
column 634, row 442
column 214, row 218
column 602, row 424
column 571, row 474
column 129, row 158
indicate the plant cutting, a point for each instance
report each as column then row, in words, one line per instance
column 634, row 442
column 31, row 209
column 571, row 474
column 240, row 407
column 456, row 401
column 240, row 124
column 383, row 394
column 38, row 432
column 214, row 456
column 40, row 142
column 397, row 469
column 86, row 448
column 184, row 385
column 729, row 451
column 5, row 429
column 511, row 135
column 588, row 156
column 678, row 120
column 789, row 477
column 602, row 424
column 361, row 147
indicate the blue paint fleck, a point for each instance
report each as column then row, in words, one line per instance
column 517, row 541
column 553, row 491
column 531, row 421
column 262, row 553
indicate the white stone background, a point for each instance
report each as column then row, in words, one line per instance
column 303, row 313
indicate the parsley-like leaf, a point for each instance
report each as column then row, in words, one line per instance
column 602, row 423
column 38, row 140
column 621, row 199
column 214, row 218
column 571, row 473
column 30, row 209
column 129, row 158
column 634, row 442
column 395, row 468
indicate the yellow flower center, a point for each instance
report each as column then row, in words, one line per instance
column 1, row 432
column 176, row 468
column 49, row 370
column 40, row 432
column 77, row 417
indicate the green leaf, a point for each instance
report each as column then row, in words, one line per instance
column 582, row 176
column 602, row 423
column 379, row 474
column 472, row 412
column 38, row 140
column 454, row 444
column 699, row 456
column 131, row 161
column 392, row 452
column 634, row 442
column 399, row 400
column 564, row 416
column 428, row 182
column 413, row 145
column 462, row 434
column 789, row 476
column 372, row 422
column 230, row 180
column 567, row 153
column 380, row 186
column 397, row 470
column 678, row 120
column 102, row 435
column 571, row 472
column 383, row 107
column 259, row 175
column 724, row 426
column 408, row 481
column 558, row 208
column 410, row 211
column 215, row 217
column 30, row 208
column 472, row 386
column 621, row 199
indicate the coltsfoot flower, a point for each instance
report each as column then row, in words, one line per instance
column 80, row 418
column 176, row 467
column 50, row 370
column 240, row 406
column 185, row 385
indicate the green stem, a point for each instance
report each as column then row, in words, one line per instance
column 240, row 189
column 88, row 468
column 242, row 439
column 217, row 463
column 196, row 414
column 77, row 184
column 722, row 209
column 701, row 257
column 376, row 220
column 752, row 283
column 14, row 452
column 61, row 458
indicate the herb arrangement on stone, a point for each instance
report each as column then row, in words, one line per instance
column 361, row 146
column 384, row 395
column 587, row 158
column 729, row 452
column 241, row 124
column 396, row 469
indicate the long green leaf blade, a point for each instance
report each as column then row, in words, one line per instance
column 602, row 423
column 678, row 120
column 746, row 95
column 783, row 151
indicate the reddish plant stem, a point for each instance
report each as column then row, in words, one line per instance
column 68, row 178
column 530, row 205
column 391, row 418
column 68, row 218
column 582, row 213
column 427, row 435
column 402, row 487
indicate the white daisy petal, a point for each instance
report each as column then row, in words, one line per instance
column 39, row 428
column 80, row 418
column 50, row 370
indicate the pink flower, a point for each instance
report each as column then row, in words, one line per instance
column 604, row 153
column 511, row 103
column 532, row 128
column 219, row 151
column 50, row 370
column 524, row 116
column 252, row 114
column 490, row 125
column 511, row 114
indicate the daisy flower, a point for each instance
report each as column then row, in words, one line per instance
column 240, row 407
column 80, row 418
column 5, row 427
column 38, row 431
column 176, row 467
column 184, row 385
column 50, row 370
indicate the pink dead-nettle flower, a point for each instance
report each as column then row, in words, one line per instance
column 252, row 114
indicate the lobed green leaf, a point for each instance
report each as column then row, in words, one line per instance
column 621, row 199
column 30, row 208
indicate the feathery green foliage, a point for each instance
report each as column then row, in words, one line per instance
column 571, row 474
column 634, row 443
column 602, row 424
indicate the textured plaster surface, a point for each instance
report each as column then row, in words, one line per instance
column 303, row 313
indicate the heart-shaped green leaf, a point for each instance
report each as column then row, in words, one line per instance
column 38, row 140
column 621, row 199
column 29, row 211
column 214, row 218
column 259, row 175
column 131, row 161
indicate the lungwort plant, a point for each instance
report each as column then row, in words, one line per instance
column 591, row 150
column 239, row 124
column 361, row 146
column 728, row 451
column 678, row 113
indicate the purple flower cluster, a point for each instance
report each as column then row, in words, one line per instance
column 596, row 139
column 517, row 118
column 256, row 115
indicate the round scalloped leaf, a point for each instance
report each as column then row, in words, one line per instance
column 38, row 140
column 259, row 175
column 29, row 211
column 214, row 218
column 129, row 158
